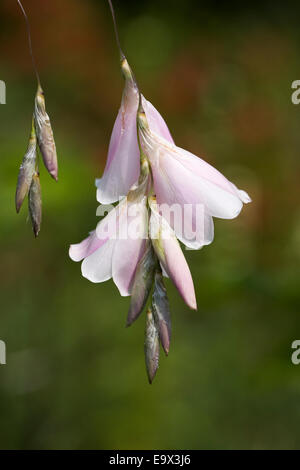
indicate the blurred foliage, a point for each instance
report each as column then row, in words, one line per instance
column 75, row 377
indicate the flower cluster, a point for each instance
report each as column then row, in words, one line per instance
column 165, row 195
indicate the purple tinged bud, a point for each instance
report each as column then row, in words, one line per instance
column 26, row 171
column 161, row 311
column 142, row 283
column 35, row 204
column 45, row 134
column 151, row 346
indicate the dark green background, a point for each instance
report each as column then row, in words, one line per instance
column 75, row 377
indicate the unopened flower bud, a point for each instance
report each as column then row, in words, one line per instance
column 35, row 203
column 161, row 311
column 45, row 134
column 142, row 283
column 151, row 346
column 26, row 171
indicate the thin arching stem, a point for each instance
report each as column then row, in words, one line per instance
column 116, row 29
column 30, row 42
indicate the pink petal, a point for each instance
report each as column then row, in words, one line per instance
column 130, row 247
column 122, row 166
column 204, row 170
column 126, row 256
column 123, row 162
column 81, row 250
column 171, row 257
column 156, row 122
column 179, row 177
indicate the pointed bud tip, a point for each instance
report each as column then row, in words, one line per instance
column 151, row 378
column 191, row 303
column 54, row 175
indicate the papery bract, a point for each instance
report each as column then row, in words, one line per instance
column 35, row 204
column 27, row 170
column 44, row 134
column 161, row 311
column 151, row 346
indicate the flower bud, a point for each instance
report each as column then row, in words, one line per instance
column 35, row 203
column 151, row 346
column 26, row 171
column 161, row 311
column 142, row 283
column 44, row 134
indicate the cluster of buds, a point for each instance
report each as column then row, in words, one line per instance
column 41, row 137
column 137, row 242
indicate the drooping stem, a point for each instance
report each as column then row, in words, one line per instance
column 30, row 42
column 116, row 29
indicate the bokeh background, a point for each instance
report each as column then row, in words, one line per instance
column 75, row 377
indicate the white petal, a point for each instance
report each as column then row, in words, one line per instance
column 98, row 266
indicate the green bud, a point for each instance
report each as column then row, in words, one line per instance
column 151, row 346
column 45, row 134
column 142, row 283
column 35, row 204
column 27, row 170
column 161, row 311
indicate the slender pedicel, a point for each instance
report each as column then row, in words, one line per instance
column 30, row 42
column 116, row 29
column 122, row 55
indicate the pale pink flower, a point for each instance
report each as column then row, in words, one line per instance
column 170, row 255
column 182, row 178
column 123, row 161
column 116, row 246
